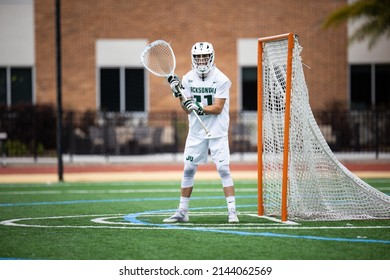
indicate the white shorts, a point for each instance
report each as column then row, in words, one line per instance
column 196, row 150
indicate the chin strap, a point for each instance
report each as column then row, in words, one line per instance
column 203, row 76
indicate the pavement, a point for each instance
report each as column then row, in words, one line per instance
column 155, row 168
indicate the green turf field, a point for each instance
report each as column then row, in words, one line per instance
column 123, row 221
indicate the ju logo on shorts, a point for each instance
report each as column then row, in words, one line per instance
column 190, row 158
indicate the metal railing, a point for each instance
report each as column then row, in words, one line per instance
column 31, row 132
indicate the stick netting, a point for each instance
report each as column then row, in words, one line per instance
column 319, row 186
column 159, row 59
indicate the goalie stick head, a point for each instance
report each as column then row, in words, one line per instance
column 159, row 59
column 202, row 57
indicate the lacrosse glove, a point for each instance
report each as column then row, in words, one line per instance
column 194, row 106
column 176, row 86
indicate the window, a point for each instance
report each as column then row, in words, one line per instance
column 370, row 86
column 360, row 87
column 16, row 85
column 109, row 90
column 122, row 89
column 21, row 85
column 249, row 88
column 247, row 62
column 3, row 86
column 134, row 90
column 121, row 75
column 382, row 86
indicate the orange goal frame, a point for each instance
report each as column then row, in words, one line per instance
column 284, row 187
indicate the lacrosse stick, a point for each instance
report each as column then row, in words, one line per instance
column 159, row 59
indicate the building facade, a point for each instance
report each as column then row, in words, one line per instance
column 102, row 41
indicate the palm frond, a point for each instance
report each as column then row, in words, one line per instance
column 375, row 15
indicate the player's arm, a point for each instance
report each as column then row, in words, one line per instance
column 218, row 102
column 216, row 107
column 184, row 105
column 177, row 91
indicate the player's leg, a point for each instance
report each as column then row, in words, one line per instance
column 228, row 189
column 187, row 182
column 220, row 153
column 195, row 152
column 231, row 202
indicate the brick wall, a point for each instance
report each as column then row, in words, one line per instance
column 183, row 23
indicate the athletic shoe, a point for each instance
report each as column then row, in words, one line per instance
column 233, row 216
column 179, row 217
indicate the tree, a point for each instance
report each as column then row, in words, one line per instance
column 375, row 16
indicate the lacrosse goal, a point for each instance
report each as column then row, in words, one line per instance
column 299, row 178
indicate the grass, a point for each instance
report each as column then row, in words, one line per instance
column 123, row 221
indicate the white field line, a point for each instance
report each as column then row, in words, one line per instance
column 115, row 183
column 171, row 190
column 185, row 228
column 274, row 219
column 124, row 191
column 124, row 225
column 119, row 176
column 145, row 176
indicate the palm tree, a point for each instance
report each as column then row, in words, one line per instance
column 376, row 15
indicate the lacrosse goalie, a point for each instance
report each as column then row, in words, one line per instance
column 204, row 90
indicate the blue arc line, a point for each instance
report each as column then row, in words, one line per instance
column 133, row 218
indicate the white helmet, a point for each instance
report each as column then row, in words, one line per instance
column 202, row 55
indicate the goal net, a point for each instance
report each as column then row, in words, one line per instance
column 299, row 176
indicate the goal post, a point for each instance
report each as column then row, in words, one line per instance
column 298, row 175
column 290, row 38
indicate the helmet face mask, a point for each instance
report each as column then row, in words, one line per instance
column 202, row 55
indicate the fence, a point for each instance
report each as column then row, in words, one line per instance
column 31, row 131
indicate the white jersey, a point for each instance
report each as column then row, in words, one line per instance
column 215, row 85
